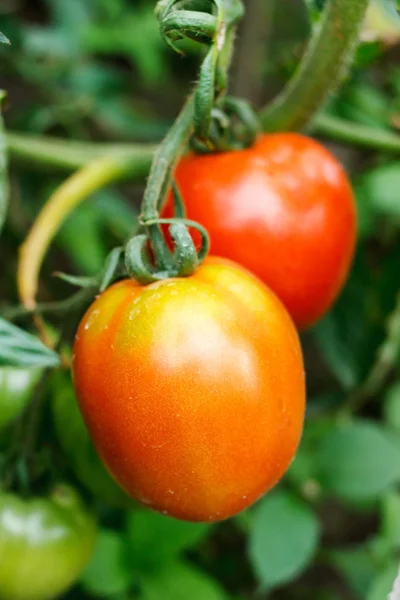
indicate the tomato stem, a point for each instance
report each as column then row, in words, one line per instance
column 321, row 69
column 195, row 117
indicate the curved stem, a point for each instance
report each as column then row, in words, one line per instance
column 321, row 69
column 91, row 178
column 354, row 133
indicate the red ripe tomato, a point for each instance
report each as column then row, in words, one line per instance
column 284, row 209
column 192, row 389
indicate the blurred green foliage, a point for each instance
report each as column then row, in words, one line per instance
column 97, row 69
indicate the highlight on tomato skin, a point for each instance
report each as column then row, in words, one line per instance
column 284, row 209
column 192, row 389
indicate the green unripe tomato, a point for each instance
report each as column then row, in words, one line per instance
column 45, row 544
column 78, row 447
column 16, row 387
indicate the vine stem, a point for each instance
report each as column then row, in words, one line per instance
column 45, row 151
column 70, row 194
column 160, row 177
column 165, row 158
column 70, row 155
column 354, row 133
column 321, row 69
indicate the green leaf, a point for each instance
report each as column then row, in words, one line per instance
column 4, row 39
column 155, row 539
column 391, row 406
column 3, row 169
column 136, row 35
column 107, row 572
column 358, row 461
column 348, row 336
column 180, row 581
column 20, row 349
column 357, row 566
column 283, row 538
column 379, row 188
column 82, row 237
column 383, row 584
column 115, row 213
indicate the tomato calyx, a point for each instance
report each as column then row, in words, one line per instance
column 234, row 126
column 181, row 262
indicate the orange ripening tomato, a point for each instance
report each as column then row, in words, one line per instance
column 284, row 209
column 192, row 389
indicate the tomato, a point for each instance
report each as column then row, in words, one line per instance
column 45, row 543
column 192, row 389
column 284, row 209
column 16, row 387
column 78, row 447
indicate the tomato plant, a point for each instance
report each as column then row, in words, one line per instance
column 188, row 369
column 45, row 544
column 196, row 418
column 284, row 209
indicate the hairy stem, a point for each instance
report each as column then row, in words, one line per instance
column 321, row 69
column 160, row 173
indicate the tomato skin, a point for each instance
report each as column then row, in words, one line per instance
column 284, row 209
column 45, row 544
column 192, row 389
column 16, row 387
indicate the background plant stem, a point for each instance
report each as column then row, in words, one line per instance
column 70, row 155
column 356, row 134
column 321, row 69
